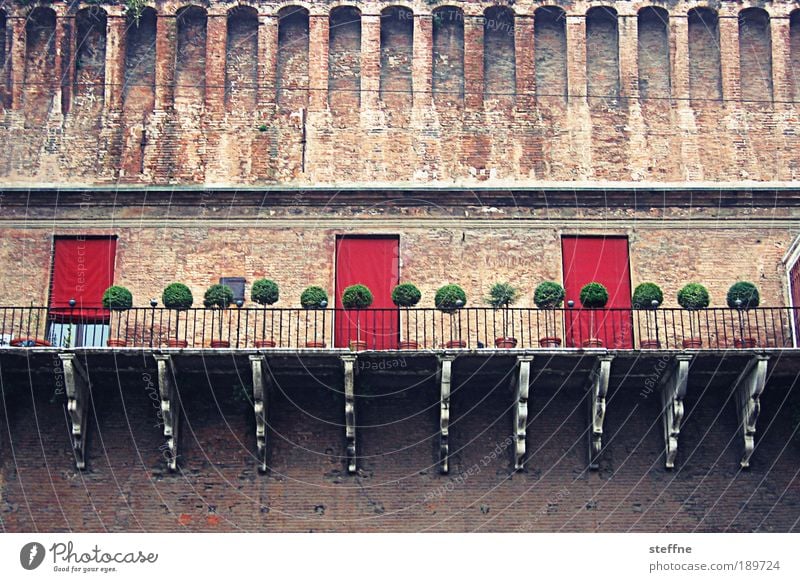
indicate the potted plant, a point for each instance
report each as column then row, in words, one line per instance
column 648, row 296
column 593, row 296
column 218, row 296
column 315, row 298
column 264, row 292
column 693, row 297
column 549, row 296
column 178, row 297
column 357, row 297
column 449, row 299
column 117, row 299
column 501, row 295
column 407, row 295
column 743, row 296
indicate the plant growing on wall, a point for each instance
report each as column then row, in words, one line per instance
column 549, row 296
column 693, row 297
column 134, row 9
column 178, row 297
column 119, row 299
column 218, row 296
column 501, row 296
column 265, row 292
column 648, row 296
column 743, row 296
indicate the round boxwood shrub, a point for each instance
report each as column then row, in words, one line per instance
column 218, row 295
column 116, row 297
column 593, row 295
column 645, row 294
column 177, row 296
column 357, row 297
column 406, row 295
column 313, row 297
column 745, row 292
column 264, row 292
column 447, row 297
column 548, row 295
column 693, row 296
column 501, row 295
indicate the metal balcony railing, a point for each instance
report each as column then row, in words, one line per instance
column 385, row 329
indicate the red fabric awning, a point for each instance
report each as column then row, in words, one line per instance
column 83, row 268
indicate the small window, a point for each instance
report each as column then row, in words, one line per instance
column 237, row 286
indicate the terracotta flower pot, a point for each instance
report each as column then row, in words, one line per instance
column 409, row 345
column 650, row 344
column 264, row 343
column 28, row 342
column 745, row 343
column 550, row 342
column 505, row 342
column 176, row 343
column 220, row 344
column 692, row 343
column 593, row 342
column 117, row 343
column 315, row 344
column 358, row 345
column 456, row 344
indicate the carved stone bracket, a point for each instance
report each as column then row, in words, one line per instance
column 76, row 381
column 672, row 395
column 170, row 407
column 445, row 376
column 521, row 409
column 349, row 362
column 749, row 386
column 262, row 381
column 598, row 388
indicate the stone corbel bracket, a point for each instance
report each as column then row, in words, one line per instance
column 749, row 387
column 445, row 379
column 598, row 388
column 672, row 394
column 349, row 362
column 170, row 407
column 262, row 382
column 521, row 409
column 76, row 381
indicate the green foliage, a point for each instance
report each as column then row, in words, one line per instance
column 593, row 295
column 406, row 295
column 313, row 297
column 134, row 9
column 357, row 297
column 264, row 292
column 645, row 294
column 548, row 295
column 745, row 292
column 447, row 297
column 116, row 297
column 177, row 296
column 262, row 128
column 502, row 295
column 218, row 295
column 693, row 296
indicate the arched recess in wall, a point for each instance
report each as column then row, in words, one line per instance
column 653, row 53
column 397, row 49
column 602, row 54
column 40, row 61
column 550, row 49
column 705, row 76
column 292, row 77
column 138, row 93
column 241, row 59
column 4, row 64
column 90, row 57
column 499, row 55
column 794, row 52
column 755, row 55
column 344, row 60
column 448, row 55
column 190, row 58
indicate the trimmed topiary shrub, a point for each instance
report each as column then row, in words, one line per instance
column 548, row 295
column 357, row 297
column 313, row 298
column 745, row 292
column 693, row 296
column 501, row 295
column 448, row 296
column 593, row 296
column 177, row 296
column 264, row 292
column 406, row 295
column 645, row 294
column 218, row 295
column 117, row 297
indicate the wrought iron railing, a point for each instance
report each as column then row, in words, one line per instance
column 382, row 329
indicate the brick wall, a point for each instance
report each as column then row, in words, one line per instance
column 653, row 54
column 448, row 56
column 241, row 66
column 397, row 43
column 705, row 81
column 344, row 64
column 292, row 79
column 551, row 52
column 602, row 55
column 499, row 63
column 755, row 54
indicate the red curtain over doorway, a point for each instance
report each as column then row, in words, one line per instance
column 83, row 268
